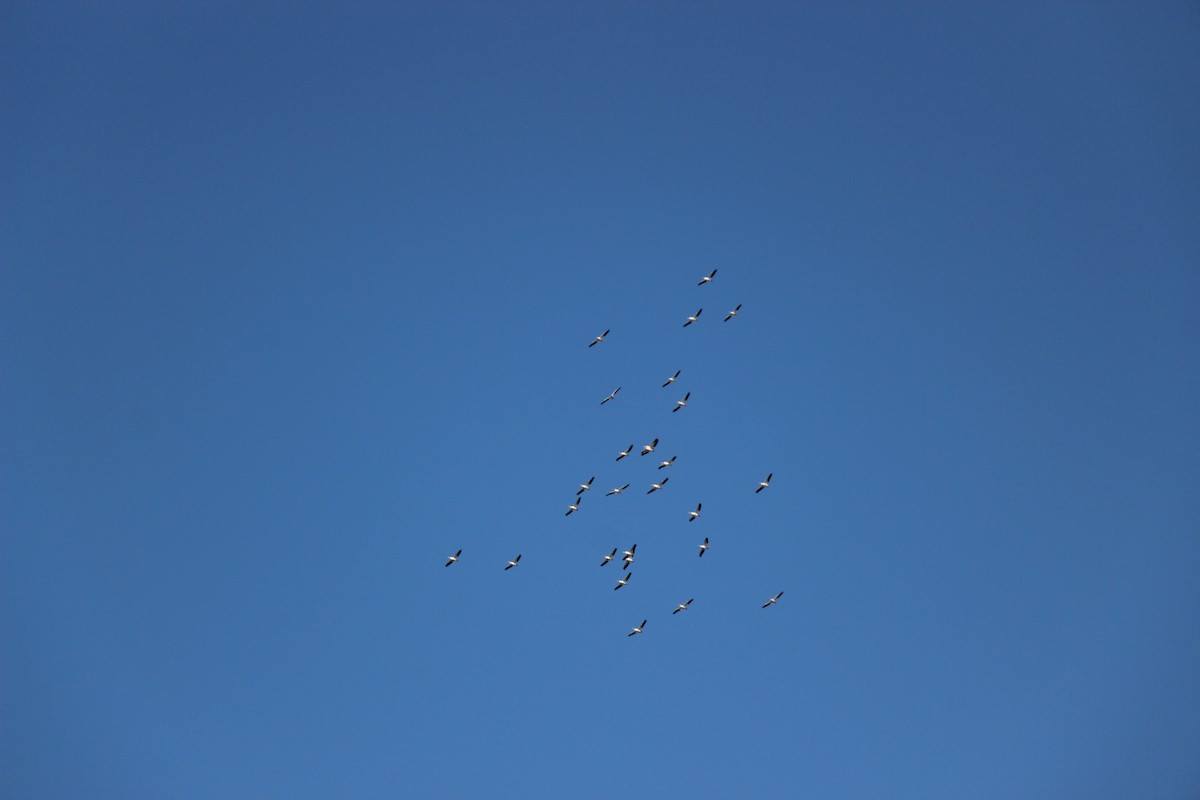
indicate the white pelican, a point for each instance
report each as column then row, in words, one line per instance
column 654, row 487
column 609, row 557
column 773, row 600
column 671, row 379
column 649, row 448
column 598, row 339
column 682, row 606
column 624, row 580
column 667, row 463
column 571, row 509
column 611, row 396
column 693, row 318
column 629, row 558
column 681, row 403
column 625, row 452
column 513, row 563
column 583, row 487
column 694, row 515
column 708, row 278
column 453, row 558
column 638, row 629
column 733, row 313
column 703, row 546
column 618, row 490
column 764, row 484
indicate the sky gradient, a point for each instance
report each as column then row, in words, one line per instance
column 295, row 301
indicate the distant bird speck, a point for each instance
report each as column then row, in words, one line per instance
column 599, row 339
column 638, row 629
column 612, row 396
column 693, row 318
column 734, row 312
column 618, row 490
column 671, row 379
column 773, row 600
column 682, row 606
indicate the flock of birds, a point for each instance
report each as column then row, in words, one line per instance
column 629, row 556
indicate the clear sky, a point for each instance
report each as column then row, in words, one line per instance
column 295, row 301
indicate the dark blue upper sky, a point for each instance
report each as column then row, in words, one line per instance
column 295, row 301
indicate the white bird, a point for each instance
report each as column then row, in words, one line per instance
column 624, row 580
column 571, row 509
column 694, row 515
column 618, row 490
column 693, row 318
column 609, row 557
column 625, row 452
column 583, row 487
column 638, row 629
column 654, row 487
column 611, row 396
column 513, row 563
column 667, row 463
column 649, row 448
column 733, row 313
column 629, row 558
column 681, row 403
column 453, row 558
column 764, row 484
column 773, row 600
column 598, row 339
column 707, row 279
column 671, row 379
column 682, row 606
column 703, row 546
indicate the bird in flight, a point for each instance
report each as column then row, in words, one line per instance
column 453, row 558
column 654, row 487
column 682, row 606
column 693, row 318
column 694, row 515
column 609, row 557
column 624, row 580
column 703, row 546
column 773, row 600
column 681, row 403
column 667, row 463
column 612, row 396
column 733, row 313
column 618, row 490
column 671, row 379
column 649, row 448
column 571, row 509
column 638, row 629
column 598, row 339
column 514, row 562
column 625, row 452
column 708, row 278
column 583, row 487
column 629, row 558
column 764, row 484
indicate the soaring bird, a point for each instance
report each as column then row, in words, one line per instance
column 703, row 546
column 694, row 515
column 609, row 557
column 629, row 557
column 667, row 463
column 624, row 580
column 453, row 558
column 571, row 509
column 707, row 279
column 682, row 606
column 681, row 403
column 649, row 448
column 625, row 452
column 733, row 313
column 773, row 600
column 693, row 318
column 513, row 563
column 611, row 396
column 638, row 629
column 618, row 490
column 598, row 339
column 654, row 487
column 583, row 487
column 764, row 484
column 671, row 379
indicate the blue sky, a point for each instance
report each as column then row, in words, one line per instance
column 295, row 301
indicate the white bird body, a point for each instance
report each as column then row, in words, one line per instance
column 649, row 448
column 571, row 509
column 694, row 515
column 764, row 484
column 681, row 403
column 514, row 562
column 453, row 558
column 703, row 547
